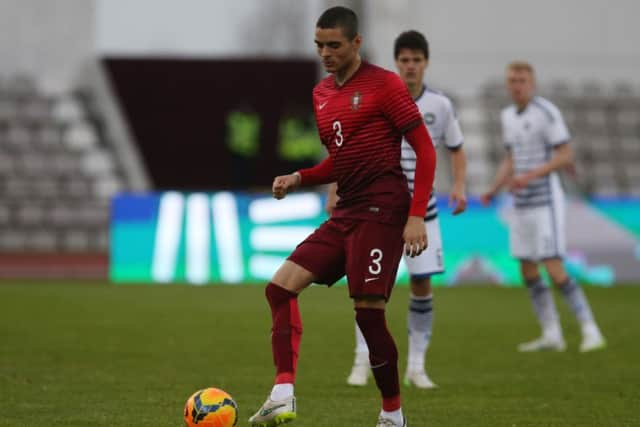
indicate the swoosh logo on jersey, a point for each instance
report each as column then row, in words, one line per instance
column 369, row 279
column 321, row 106
column 267, row 411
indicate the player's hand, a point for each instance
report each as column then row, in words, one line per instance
column 487, row 198
column 415, row 236
column 284, row 184
column 519, row 182
column 458, row 199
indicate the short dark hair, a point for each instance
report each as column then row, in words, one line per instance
column 342, row 17
column 413, row 40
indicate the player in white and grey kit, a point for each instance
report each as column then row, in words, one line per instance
column 411, row 53
column 537, row 143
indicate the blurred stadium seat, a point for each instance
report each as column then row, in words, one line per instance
column 604, row 121
column 56, row 175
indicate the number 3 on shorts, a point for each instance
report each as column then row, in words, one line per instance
column 376, row 257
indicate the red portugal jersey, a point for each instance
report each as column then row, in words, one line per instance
column 361, row 123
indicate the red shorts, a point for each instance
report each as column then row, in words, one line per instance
column 367, row 252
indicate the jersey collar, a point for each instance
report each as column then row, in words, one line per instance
column 520, row 111
column 424, row 89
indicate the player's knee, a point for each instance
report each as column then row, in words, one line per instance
column 369, row 301
column 559, row 280
column 529, row 270
column 421, row 286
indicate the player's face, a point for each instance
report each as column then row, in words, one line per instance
column 336, row 51
column 520, row 85
column 411, row 65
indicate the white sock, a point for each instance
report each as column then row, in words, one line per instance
column 545, row 308
column 577, row 301
column 395, row 416
column 420, row 325
column 361, row 343
column 281, row 391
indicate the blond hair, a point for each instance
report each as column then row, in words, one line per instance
column 520, row 66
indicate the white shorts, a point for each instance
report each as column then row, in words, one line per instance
column 538, row 233
column 431, row 261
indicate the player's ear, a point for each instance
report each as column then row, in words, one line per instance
column 357, row 41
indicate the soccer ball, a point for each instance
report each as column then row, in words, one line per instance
column 210, row 407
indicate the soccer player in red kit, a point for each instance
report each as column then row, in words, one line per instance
column 362, row 112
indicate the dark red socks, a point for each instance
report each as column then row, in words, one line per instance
column 285, row 332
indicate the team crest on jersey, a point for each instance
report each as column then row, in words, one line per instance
column 429, row 118
column 356, row 100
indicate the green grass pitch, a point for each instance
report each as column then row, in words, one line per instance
column 103, row 355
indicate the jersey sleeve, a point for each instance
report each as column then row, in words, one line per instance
column 397, row 104
column 322, row 173
column 556, row 130
column 453, row 138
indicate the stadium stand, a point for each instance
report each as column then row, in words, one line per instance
column 60, row 166
column 604, row 122
column 57, row 174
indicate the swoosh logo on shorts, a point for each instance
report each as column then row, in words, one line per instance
column 369, row 279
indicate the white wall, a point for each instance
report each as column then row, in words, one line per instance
column 49, row 39
column 207, row 27
column 472, row 40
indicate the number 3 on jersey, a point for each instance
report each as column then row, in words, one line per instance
column 337, row 127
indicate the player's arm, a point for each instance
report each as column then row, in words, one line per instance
column 458, row 197
column 453, row 140
column 415, row 234
column 505, row 171
column 322, row 173
column 562, row 158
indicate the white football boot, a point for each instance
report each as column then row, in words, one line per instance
column 592, row 339
column 544, row 343
column 274, row 413
column 418, row 378
column 361, row 370
column 386, row 422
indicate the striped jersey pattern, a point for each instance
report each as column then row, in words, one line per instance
column 530, row 136
column 361, row 124
column 440, row 118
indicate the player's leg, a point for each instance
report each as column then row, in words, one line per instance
column 420, row 326
column 524, row 242
column 320, row 258
column 383, row 356
column 282, row 295
column 545, row 310
column 575, row 298
column 420, row 312
column 373, row 254
column 361, row 369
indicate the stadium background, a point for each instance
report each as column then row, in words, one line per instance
column 138, row 140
